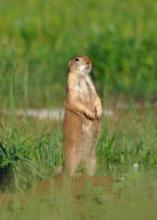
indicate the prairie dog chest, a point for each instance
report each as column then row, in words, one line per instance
column 85, row 88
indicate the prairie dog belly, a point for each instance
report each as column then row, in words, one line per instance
column 79, row 133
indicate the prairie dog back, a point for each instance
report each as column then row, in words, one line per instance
column 82, row 119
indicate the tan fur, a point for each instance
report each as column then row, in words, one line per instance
column 82, row 119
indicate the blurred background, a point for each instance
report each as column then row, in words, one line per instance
column 38, row 37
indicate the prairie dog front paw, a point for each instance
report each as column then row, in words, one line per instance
column 98, row 109
column 90, row 114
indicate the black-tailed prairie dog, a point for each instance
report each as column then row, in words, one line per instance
column 82, row 119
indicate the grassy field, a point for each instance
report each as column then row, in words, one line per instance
column 37, row 39
column 31, row 149
column 127, row 138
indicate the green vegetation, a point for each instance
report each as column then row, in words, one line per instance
column 30, row 150
column 37, row 38
column 36, row 146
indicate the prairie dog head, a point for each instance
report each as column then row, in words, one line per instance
column 81, row 65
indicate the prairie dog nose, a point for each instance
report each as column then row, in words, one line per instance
column 87, row 60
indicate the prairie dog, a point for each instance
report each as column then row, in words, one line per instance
column 82, row 119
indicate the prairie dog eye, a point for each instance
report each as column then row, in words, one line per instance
column 77, row 59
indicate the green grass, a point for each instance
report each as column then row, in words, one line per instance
column 37, row 40
column 32, row 149
column 36, row 146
